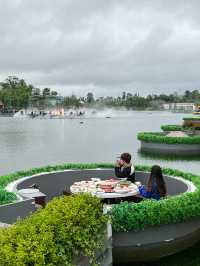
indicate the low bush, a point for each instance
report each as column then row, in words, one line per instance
column 156, row 137
column 135, row 217
column 68, row 227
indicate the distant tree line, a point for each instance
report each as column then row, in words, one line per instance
column 16, row 94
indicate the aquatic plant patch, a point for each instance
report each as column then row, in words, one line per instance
column 67, row 228
column 156, row 137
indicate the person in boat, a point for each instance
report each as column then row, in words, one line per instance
column 155, row 187
column 124, row 168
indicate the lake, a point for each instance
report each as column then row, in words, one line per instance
column 27, row 143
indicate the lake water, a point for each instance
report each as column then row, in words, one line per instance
column 27, row 143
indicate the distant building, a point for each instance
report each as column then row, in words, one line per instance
column 185, row 107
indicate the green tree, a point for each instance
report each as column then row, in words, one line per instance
column 15, row 93
column 46, row 92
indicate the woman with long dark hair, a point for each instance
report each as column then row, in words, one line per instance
column 155, row 187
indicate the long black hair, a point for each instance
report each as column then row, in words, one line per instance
column 156, row 172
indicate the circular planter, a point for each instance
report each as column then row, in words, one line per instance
column 152, row 243
column 170, row 149
column 53, row 184
column 155, row 242
column 161, row 143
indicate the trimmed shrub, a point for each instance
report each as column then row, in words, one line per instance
column 68, row 227
column 156, row 137
column 6, row 197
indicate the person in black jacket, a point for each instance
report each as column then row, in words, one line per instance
column 124, row 167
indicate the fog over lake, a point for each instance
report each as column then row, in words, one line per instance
column 27, row 143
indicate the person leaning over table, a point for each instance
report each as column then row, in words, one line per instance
column 124, row 168
column 156, row 187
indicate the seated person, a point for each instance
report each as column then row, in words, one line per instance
column 124, row 167
column 155, row 187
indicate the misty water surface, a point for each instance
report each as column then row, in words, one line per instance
column 27, row 143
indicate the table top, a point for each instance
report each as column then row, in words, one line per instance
column 98, row 188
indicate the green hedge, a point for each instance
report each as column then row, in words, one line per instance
column 6, row 197
column 191, row 118
column 135, row 217
column 178, row 128
column 68, row 227
column 156, row 137
column 172, row 128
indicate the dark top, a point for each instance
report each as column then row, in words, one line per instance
column 125, row 172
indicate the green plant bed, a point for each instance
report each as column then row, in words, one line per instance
column 192, row 118
column 156, row 137
column 67, row 228
column 6, row 197
column 178, row 128
column 172, row 128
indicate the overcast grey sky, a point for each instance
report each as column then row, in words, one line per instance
column 103, row 46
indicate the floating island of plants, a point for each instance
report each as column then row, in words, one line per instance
column 178, row 140
column 130, row 221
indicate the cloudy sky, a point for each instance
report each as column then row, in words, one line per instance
column 103, row 46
